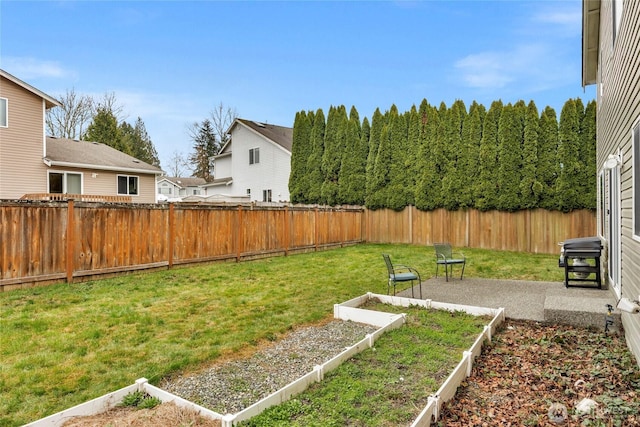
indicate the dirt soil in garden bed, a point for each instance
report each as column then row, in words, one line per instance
column 527, row 369
column 530, row 369
column 164, row 415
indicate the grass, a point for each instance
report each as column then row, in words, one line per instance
column 388, row 385
column 62, row 345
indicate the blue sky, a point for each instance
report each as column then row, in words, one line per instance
column 172, row 62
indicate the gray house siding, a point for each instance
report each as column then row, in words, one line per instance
column 618, row 98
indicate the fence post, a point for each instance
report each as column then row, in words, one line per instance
column 287, row 236
column 315, row 226
column 172, row 233
column 239, row 234
column 70, row 240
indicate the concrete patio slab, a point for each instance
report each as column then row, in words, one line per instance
column 539, row 301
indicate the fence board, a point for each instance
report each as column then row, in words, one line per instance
column 110, row 237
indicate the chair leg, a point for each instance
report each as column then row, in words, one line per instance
column 446, row 272
column 462, row 274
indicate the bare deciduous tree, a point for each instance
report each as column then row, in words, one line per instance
column 221, row 118
column 177, row 164
column 71, row 119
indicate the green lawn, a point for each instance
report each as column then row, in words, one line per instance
column 62, row 345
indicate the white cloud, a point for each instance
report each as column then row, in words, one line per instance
column 525, row 68
column 26, row 68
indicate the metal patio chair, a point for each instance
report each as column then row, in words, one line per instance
column 444, row 256
column 401, row 273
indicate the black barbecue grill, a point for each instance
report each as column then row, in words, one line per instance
column 581, row 261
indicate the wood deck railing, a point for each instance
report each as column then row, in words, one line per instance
column 61, row 197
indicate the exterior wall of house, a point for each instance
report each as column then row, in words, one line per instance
column 618, row 99
column 105, row 183
column 223, row 167
column 271, row 173
column 21, row 143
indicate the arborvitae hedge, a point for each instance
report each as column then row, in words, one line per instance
column 506, row 158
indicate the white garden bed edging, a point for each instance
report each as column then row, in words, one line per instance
column 347, row 311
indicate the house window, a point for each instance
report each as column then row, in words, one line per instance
column 254, row 156
column 266, row 195
column 249, row 192
column 636, row 179
column 617, row 17
column 65, row 183
column 196, row 192
column 4, row 113
column 127, row 185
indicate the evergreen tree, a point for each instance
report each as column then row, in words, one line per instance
column 104, row 129
column 351, row 190
column 510, row 135
column 377, row 123
column 588, row 192
column 486, row 186
column 315, row 177
column 334, row 143
column 300, row 152
column 470, row 156
column 530, row 187
column 548, row 167
column 413, row 153
column 568, row 183
column 397, row 193
column 143, row 148
column 205, row 147
column 452, row 179
column 428, row 195
column 381, row 172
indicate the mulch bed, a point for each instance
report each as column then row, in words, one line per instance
column 532, row 369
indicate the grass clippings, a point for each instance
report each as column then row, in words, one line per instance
column 529, row 367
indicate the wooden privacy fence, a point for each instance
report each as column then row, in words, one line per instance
column 536, row 231
column 56, row 241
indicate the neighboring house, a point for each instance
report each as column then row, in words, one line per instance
column 611, row 59
column 174, row 188
column 36, row 165
column 254, row 163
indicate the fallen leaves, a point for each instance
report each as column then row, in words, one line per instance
column 531, row 370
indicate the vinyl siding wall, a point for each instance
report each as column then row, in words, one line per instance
column 618, row 97
column 271, row 173
column 21, row 143
column 105, row 183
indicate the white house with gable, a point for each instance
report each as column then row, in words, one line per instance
column 255, row 162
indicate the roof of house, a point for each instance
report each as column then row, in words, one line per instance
column 185, row 182
column 280, row 135
column 49, row 101
column 93, row 155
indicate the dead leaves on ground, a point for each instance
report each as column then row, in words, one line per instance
column 530, row 366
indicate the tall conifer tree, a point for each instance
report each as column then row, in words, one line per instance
column 300, row 152
column 588, row 193
column 548, row 166
column 469, row 160
column 334, row 143
column 377, row 123
column 510, row 134
column 530, row 187
column 486, row 187
column 568, row 184
column 315, row 177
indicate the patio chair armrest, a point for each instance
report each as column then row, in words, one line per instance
column 461, row 255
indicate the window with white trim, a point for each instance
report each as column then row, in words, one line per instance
column 616, row 12
column 266, row 195
column 636, row 179
column 65, row 183
column 249, row 192
column 127, row 185
column 254, row 156
column 4, row 113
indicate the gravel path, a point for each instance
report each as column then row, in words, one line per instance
column 235, row 385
